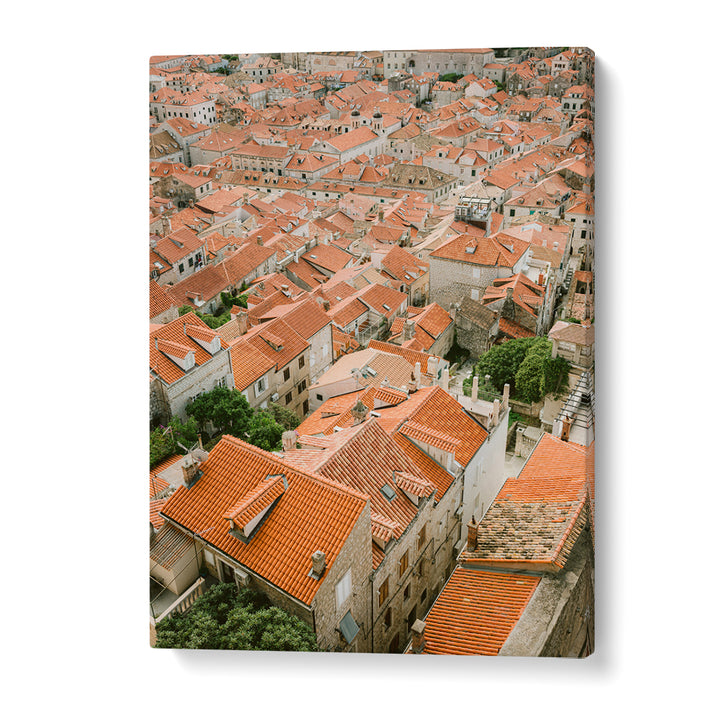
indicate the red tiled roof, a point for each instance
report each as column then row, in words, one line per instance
column 412, row 356
column 248, row 363
column 173, row 339
column 513, row 329
column 288, row 344
column 537, row 517
column 312, row 514
column 484, row 250
column 476, row 612
column 160, row 301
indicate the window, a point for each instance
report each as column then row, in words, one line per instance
column 512, row 212
column 422, row 537
column 474, row 294
column 288, row 398
column 388, row 618
column 406, row 591
column 260, row 386
column 404, row 563
column 318, row 396
column 343, row 589
column 182, row 268
column 384, row 591
column 209, row 558
column 301, row 361
column 190, row 261
column 301, row 387
column 286, row 374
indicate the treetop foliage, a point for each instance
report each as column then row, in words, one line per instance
column 225, row 618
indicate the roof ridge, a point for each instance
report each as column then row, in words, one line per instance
column 274, row 458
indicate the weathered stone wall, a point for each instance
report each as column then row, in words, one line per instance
column 470, row 336
column 201, row 379
column 356, row 555
column 159, row 405
column 416, row 580
column 451, row 281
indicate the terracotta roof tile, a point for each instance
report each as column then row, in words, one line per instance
column 171, row 338
column 312, row 514
column 476, row 612
column 160, row 300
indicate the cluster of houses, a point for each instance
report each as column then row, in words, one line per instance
column 327, row 231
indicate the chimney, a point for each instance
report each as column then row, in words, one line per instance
column 506, row 397
column 289, row 440
column 472, row 535
column 432, row 367
column 318, row 564
column 445, row 380
column 189, row 468
column 417, row 631
column 496, row 412
column 359, row 412
column 518, row 440
column 409, row 330
column 242, row 321
column 417, row 374
column 475, row 388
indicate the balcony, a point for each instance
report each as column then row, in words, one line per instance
column 164, row 603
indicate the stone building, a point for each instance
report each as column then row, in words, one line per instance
column 301, row 540
column 465, row 265
column 513, row 595
column 476, row 326
column 187, row 359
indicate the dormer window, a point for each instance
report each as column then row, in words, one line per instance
column 248, row 514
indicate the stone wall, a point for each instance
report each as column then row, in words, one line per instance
column 451, row 280
column 159, row 405
column 410, row 590
column 201, row 379
column 356, row 555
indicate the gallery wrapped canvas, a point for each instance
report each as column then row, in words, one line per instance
column 371, row 351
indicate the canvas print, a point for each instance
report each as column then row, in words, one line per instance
column 371, row 350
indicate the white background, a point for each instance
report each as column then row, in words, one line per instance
column 74, row 462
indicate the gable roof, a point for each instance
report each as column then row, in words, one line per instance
column 476, row 612
column 177, row 337
column 486, row 251
column 313, row 513
column 538, row 516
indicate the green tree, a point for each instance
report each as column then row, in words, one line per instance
column 226, row 409
column 502, row 362
column 224, row 618
column 282, row 416
column 165, row 441
column 530, row 376
column 527, row 366
column 264, row 432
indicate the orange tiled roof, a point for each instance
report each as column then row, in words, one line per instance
column 537, row 517
column 248, row 363
column 172, row 339
column 287, row 343
column 482, row 250
column 476, row 612
column 513, row 329
column 412, row 356
column 279, row 552
column 160, row 301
